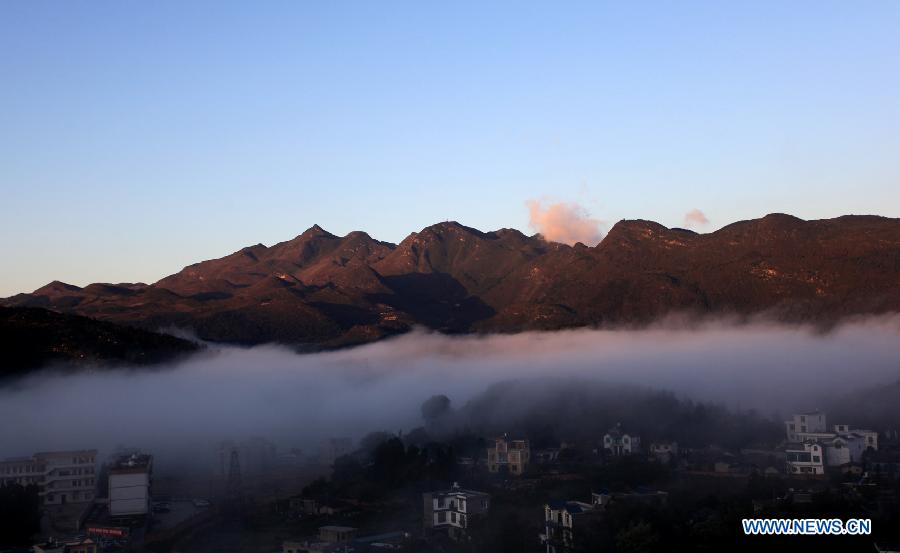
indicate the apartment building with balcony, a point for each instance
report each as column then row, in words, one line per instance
column 806, row 459
column 61, row 476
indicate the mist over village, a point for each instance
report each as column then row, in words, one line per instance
column 449, row 278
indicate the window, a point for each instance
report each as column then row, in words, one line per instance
column 816, row 459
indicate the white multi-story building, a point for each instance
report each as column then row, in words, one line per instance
column 870, row 437
column 807, row 459
column 617, row 442
column 839, row 447
column 130, row 479
column 453, row 510
column 60, row 476
column 803, row 423
column 844, row 449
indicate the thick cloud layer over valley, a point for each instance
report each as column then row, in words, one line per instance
column 296, row 400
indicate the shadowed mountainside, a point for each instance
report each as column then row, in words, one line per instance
column 32, row 338
column 322, row 290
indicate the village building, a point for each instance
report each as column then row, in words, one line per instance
column 664, row 452
column 454, row 510
column 510, row 456
column 806, row 459
column 841, row 447
column 617, row 442
column 562, row 522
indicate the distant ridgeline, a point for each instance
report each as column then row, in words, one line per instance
column 319, row 290
column 32, row 338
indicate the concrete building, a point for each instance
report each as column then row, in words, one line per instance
column 454, row 510
column 562, row 521
column 130, row 480
column 806, row 459
column 617, row 442
column 512, row 456
column 60, row 476
column 802, row 423
column 811, row 426
column 844, row 449
column 870, row 437
column 839, row 447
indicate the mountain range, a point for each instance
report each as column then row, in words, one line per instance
column 321, row 290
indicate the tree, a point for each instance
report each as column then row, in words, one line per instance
column 639, row 537
column 372, row 440
column 435, row 407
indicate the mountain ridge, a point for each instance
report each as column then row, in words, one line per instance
column 323, row 290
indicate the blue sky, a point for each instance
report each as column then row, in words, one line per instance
column 138, row 137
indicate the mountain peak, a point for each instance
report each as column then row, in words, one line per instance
column 316, row 230
column 452, row 227
column 634, row 229
column 56, row 287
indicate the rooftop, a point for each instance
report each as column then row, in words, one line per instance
column 133, row 462
column 571, row 507
column 76, row 452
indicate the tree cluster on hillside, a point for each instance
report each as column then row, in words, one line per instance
column 550, row 410
column 382, row 465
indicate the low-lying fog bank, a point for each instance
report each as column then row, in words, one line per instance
column 297, row 400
